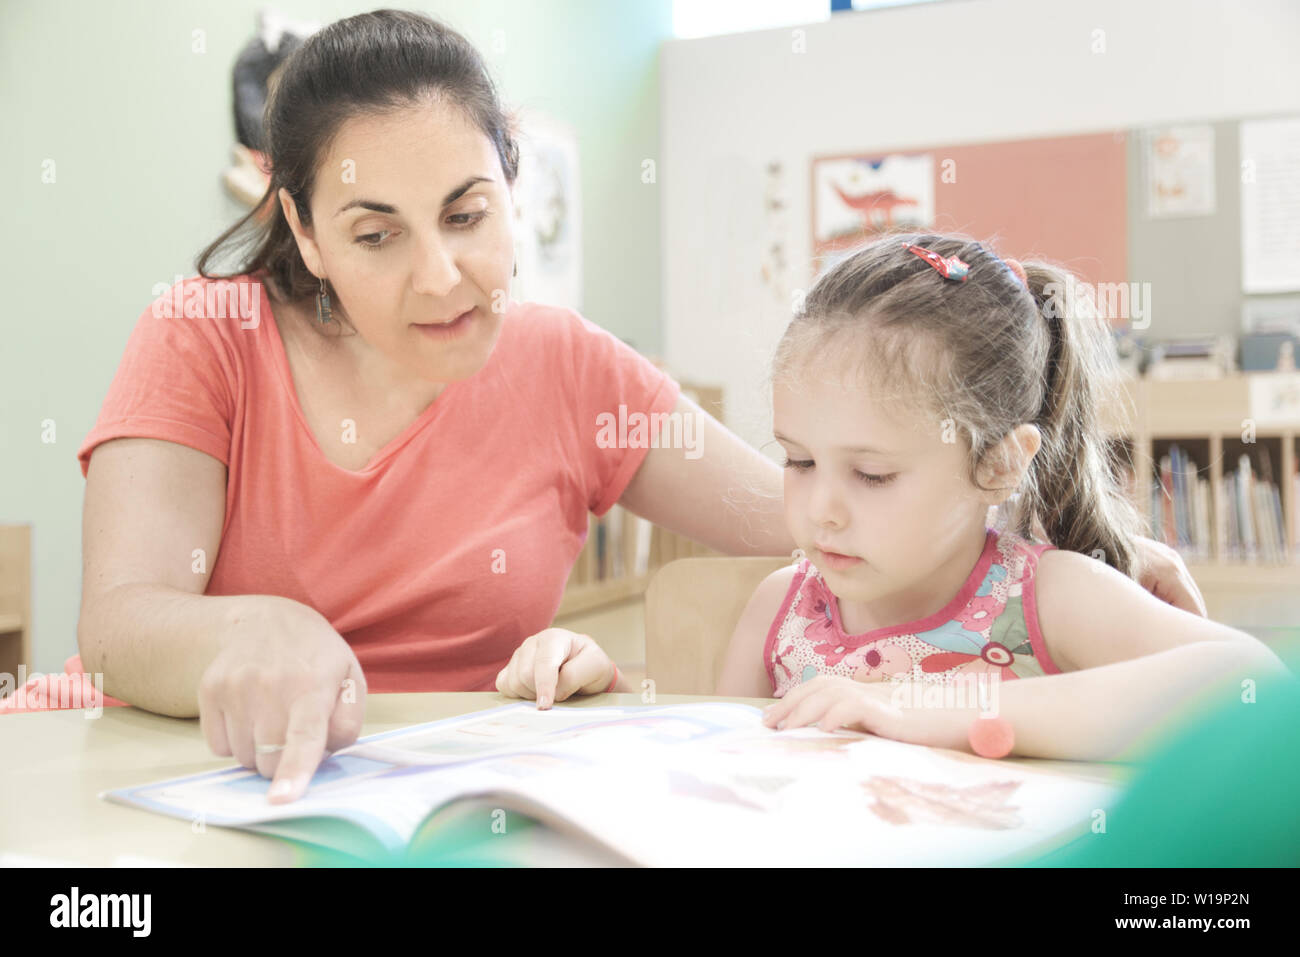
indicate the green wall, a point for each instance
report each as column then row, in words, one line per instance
column 139, row 128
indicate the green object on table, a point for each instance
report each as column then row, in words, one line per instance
column 463, row 835
column 1223, row 793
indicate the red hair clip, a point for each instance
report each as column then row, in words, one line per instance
column 1019, row 270
column 950, row 268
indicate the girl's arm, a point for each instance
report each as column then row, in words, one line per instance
column 1161, row 571
column 1134, row 667
column 1133, row 663
column 744, row 673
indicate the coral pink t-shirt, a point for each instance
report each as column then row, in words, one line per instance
column 454, row 543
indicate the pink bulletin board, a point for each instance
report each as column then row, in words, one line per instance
column 1063, row 199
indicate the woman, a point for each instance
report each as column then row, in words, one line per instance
column 359, row 434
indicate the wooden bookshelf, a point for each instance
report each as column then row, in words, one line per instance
column 1206, row 419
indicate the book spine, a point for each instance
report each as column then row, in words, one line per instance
column 1180, row 496
column 616, row 541
column 1203, row 516
column 1233, row 548
column 1156, row 521
column 1166, row 483
column 1221, row 520
column 1246, row 511
column 600, row 549
column 1279, row 524
column 1295, row 512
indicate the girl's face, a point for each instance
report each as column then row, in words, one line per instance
column 411, row 225
column 877, row 495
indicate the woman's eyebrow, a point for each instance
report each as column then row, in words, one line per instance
column 390, row 209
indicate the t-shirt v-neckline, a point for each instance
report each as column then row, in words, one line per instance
column 930, row 622
column 285, row 374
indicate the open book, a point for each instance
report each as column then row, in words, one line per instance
column 692, row 784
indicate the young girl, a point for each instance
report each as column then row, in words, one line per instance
column 925, row 381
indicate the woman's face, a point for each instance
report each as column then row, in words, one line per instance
column 411, row 225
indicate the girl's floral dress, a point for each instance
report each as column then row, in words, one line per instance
column 990, row 626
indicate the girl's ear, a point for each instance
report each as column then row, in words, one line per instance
column 1003, row 468
column 306, row 244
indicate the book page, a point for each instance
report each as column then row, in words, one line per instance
column 805, row 797
column 388, row 783
column 700, row 784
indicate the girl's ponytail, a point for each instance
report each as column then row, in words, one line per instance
column 1075, row 489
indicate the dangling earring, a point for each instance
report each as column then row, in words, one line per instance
column 322, row 304
column 516, row 269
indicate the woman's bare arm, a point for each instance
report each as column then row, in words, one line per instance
column 151, row 528
column 271, row 681
column 720, row 492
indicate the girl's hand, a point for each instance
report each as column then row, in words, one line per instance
column 554, row 664
column 877, row 707
column 1165, row 576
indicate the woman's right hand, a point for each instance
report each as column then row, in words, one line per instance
column 285, row 677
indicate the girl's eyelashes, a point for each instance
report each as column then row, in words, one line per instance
column 464, row 221
column 875, row 481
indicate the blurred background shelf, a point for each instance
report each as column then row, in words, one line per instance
column 1231, row 510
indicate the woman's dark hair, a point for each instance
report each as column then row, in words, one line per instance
column 986, row 354
column 375, row 62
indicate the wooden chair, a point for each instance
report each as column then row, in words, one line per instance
column 691, row 608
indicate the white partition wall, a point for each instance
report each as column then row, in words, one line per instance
column 952, row 72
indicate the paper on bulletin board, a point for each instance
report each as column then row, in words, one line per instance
column 857, row 198
column 1270, row 205
column 1180, row 171
column 548, row 213
column 1275, row 399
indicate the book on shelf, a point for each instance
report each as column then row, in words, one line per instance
column 1295, row 508
column 1180, row 505
column 643, row 538
column 1252, row 528
column 620, row 545
column 1249, row 525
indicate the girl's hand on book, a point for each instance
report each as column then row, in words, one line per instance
column 555, row 664
column 284, row 691
column 877, row 707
